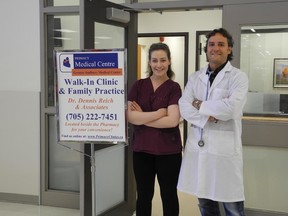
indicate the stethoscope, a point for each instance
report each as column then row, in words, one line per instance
column 201, row 141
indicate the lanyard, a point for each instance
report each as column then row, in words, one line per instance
column 201, row 141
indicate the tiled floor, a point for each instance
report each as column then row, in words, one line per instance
column 188, row 206
column 15, row 209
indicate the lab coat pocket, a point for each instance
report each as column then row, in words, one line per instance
column 219, row 93
column 221, row 143
column 193, row 138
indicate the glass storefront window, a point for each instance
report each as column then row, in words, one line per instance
column 264, row 59
column 62, row 34
column 51, row 3
column 64, row 162
column 108, row 36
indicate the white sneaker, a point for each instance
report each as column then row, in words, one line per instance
column 134, row 213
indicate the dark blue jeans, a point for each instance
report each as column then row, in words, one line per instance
column 211, row 208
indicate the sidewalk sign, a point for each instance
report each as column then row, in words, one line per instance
column 91, row 96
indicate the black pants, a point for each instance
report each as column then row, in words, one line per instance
column 166, row 167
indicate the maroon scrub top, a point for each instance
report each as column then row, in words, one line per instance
column 157, row 141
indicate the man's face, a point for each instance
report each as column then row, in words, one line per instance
column 217, row 50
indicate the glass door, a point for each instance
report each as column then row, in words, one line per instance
column 109, row 26
column 201, row 59
column 60, row 166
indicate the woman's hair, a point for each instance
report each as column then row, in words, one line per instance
column 165, row 48
column 225, row 34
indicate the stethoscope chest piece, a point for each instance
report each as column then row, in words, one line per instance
column 201, row 143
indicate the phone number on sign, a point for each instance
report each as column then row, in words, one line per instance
column 91, row 116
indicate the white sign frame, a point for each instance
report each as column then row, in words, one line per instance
column 91, row 96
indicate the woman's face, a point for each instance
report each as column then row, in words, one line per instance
column 159, row 63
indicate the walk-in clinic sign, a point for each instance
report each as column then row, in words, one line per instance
column 91, row 95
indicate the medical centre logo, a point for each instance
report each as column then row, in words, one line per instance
column 66, row 62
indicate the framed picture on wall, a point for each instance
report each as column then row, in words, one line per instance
column 280, row 73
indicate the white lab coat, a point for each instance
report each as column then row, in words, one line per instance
column 214, row 171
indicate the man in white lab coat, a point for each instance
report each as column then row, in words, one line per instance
column 212, row 104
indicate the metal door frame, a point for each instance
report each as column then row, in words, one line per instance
column 95, row 11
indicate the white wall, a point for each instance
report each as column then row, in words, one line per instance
column 19, row 96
